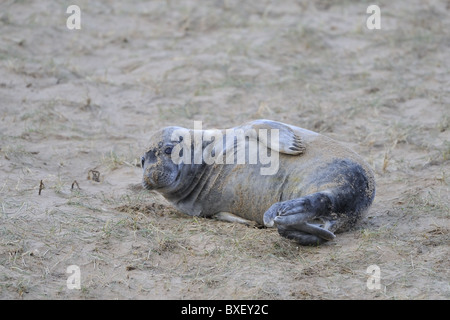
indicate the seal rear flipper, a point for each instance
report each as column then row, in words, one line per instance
column 302, row 238
column 283, row 140
column 297, row 223
column 294, row 218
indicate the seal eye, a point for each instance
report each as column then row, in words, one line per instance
column 142, row 161
column 168, row 150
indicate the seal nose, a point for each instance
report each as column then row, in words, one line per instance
column 142, row 161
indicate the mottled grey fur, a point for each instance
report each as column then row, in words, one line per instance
column 321, row 187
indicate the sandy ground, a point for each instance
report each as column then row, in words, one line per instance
column 77, row 101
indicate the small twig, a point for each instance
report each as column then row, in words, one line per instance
column 95, row 175
column 41, row 186
column 75, row 183
column 385, row 162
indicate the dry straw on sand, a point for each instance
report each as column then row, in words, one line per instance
column 73, row 101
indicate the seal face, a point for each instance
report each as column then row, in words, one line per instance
column 160, row 171
column 305, row 184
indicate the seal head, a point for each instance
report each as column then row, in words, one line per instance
column 160, row 173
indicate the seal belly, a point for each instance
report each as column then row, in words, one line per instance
column 252, row 199
column 251, row 194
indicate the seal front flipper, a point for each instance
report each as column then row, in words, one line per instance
column 288, row 141
column 229, row 217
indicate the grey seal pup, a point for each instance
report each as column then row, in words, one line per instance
column 313, row 188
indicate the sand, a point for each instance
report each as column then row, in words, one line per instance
column 77, row 108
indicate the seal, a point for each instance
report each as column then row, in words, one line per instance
column 312, row 189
